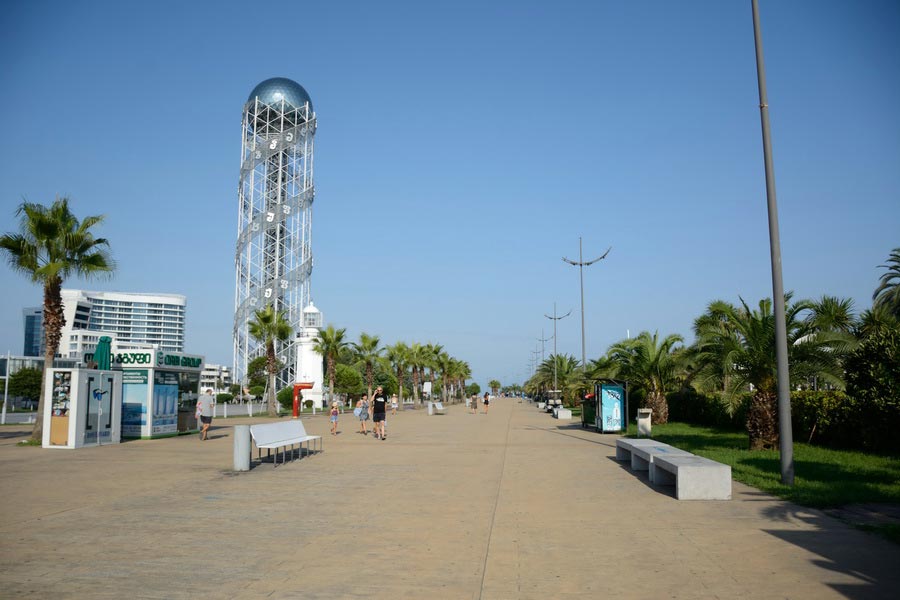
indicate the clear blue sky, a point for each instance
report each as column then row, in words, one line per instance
column 462, row 148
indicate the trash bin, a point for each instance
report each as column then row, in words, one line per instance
column 643, row 421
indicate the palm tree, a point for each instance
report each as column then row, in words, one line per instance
column 494, row 385
column 416, row 358
column 443, row 361
column 432, row 360
column 459, row 372
column 368, row 353
column 874, row 319
column 52, row 245
column 330, row 344
column 269, row 327
column 560, row 368
column 887, row 294
column 651, row 364
column 742, row 348
column 831, row 313
column 398, row 356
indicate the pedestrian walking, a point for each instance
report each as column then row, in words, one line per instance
column 379, row 408
column 362, row 412
column 486, row 402
column 474, row 404
column 394, row 404
column 335, row 411
column 205, row 407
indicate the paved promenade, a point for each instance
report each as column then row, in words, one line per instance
column 509, row 505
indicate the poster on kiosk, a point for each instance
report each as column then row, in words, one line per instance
column 611, row 405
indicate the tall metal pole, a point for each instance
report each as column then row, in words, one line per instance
column 542, row 339
column 554, row 318
column 581, row 264
column 5, row 389
column 786, row 442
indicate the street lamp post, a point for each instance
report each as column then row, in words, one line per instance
column 785, row 436
column 581, row 264
column 542, row 339
column 554, row 318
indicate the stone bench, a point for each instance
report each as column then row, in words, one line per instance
column 562, row 413
column 694, row 477
column 625, row 447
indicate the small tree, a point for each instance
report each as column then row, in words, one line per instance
column 26, row 383
column 348, row 380
column 473, row 389
column 494, row 385
column 256, row 372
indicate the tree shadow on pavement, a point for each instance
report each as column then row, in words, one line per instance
column 871, row 561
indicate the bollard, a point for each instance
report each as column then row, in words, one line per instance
column 226, row 410
column 241, row 447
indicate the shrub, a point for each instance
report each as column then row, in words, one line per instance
column 224, row 397
column 690, row 406
column 873, row 381
column 827, row 418
column 285, row 398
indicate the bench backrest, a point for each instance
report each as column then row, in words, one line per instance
column 267, row 433
column 439, row 405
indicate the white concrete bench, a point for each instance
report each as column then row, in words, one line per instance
column 562, row 413
column 694, row 477
column 438, row 407
column 624, row 447
column 281, row 435
column 642, row 451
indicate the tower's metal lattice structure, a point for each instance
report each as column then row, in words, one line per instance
column 273, row 259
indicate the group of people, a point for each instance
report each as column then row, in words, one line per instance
column 376, row 409
column 486, row 402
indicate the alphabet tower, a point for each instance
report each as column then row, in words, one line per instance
column 273, row 259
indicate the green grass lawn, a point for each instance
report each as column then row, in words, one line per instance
column 823, row 478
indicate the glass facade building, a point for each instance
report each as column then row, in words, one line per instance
column 34, row 331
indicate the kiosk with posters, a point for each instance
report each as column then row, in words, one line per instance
column 82, row 408
column 612, row 407
column 159, row 392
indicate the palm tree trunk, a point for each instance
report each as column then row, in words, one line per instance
column 270, row 397
column 271, row 364
column 415, row 376
column 762, row 421
column 400, row 383
column 330, row 379
column 656, row 400
column 54, row 320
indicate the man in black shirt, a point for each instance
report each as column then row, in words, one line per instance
column 379, row 408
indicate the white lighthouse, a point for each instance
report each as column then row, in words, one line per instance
column 309, row 369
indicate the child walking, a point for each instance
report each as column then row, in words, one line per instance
column 334, row 417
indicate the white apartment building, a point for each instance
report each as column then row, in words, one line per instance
column 215, row 377
column 131, row 319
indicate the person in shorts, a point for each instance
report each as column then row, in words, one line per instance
column 363, row 406
column 486, row 402
column 334, row 417
column 205, row 407
column 379, row 408
column 394, row 404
